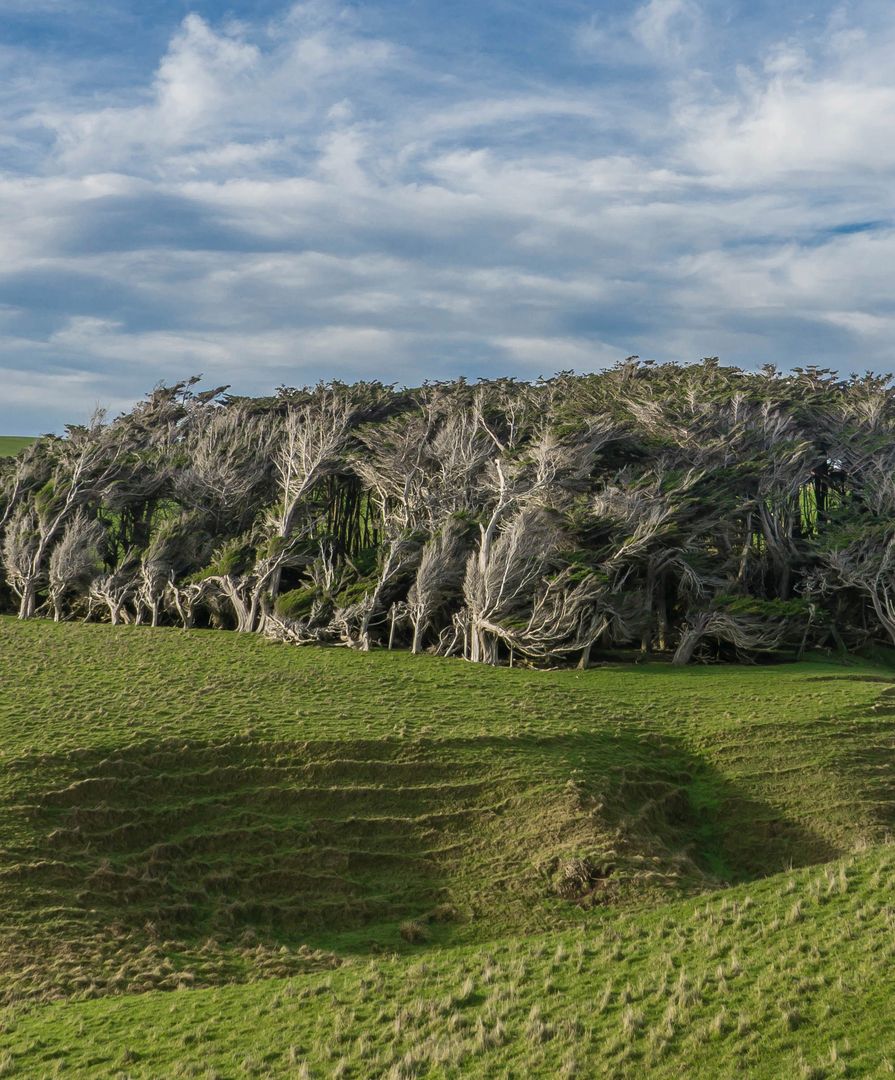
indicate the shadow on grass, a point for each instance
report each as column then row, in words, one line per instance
column 304, row 841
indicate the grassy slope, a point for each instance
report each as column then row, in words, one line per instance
column 10, row 445
column 203, row 809
column 783, row 978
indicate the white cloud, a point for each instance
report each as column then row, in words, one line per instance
column 210, row 85
column 800, row 116
column 668, row 29
column 663, row 32
column 296, row 200
column 546, row 356
column 201, row 74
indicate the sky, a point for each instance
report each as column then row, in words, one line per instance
column 268, row 193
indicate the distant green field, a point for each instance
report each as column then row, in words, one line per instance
column 223, row 857
column 10, row 445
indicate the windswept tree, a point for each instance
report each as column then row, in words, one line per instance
column 499, row 590
column 438, row 579
column 84, row 467
column 698, row 510
column 305, row 449
column 225, row 467
column 75, row 560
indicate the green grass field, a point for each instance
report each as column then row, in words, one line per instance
column 10, row 445
column 222, row 857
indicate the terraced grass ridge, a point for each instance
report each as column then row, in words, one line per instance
column 10, row 445
column 221, row 857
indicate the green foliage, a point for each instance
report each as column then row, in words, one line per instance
column 355, row 592
column 766, row 610
column 233, row 557
column 295, row 603
column 366, row 561
column 46, row 496
column 848, row 527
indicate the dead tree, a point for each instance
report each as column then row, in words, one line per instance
column 357, row 620
column 569, row 613
column 21, row 540
column 306, row 449
column 184, row 599
column 868, row 566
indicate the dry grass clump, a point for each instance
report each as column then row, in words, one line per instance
column 414, row 931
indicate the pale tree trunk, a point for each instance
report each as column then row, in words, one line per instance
column 28, row 602
column 184, row 608
column 366, row 639
column 417, row 635
column 244, row 610
column 482, row 646
column 690, row 638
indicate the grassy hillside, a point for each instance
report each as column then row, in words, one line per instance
column 195, row 818
column 10, row 445
column 785, row 978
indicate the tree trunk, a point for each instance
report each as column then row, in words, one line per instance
column 663, row 613
column 487, row 649
column 28, row 604
column 690, row 638
column 664, row 623
column 744, row 554
column 273, row 585
column 783, row 585
column 251, row 617
column 475, row 644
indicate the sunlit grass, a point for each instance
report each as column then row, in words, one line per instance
column 229, row 858
column 725, row 985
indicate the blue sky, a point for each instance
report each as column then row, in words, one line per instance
column 275, row 193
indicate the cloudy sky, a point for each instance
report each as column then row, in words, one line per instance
column 270, row 193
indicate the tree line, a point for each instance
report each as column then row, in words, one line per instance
column 700, row 510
